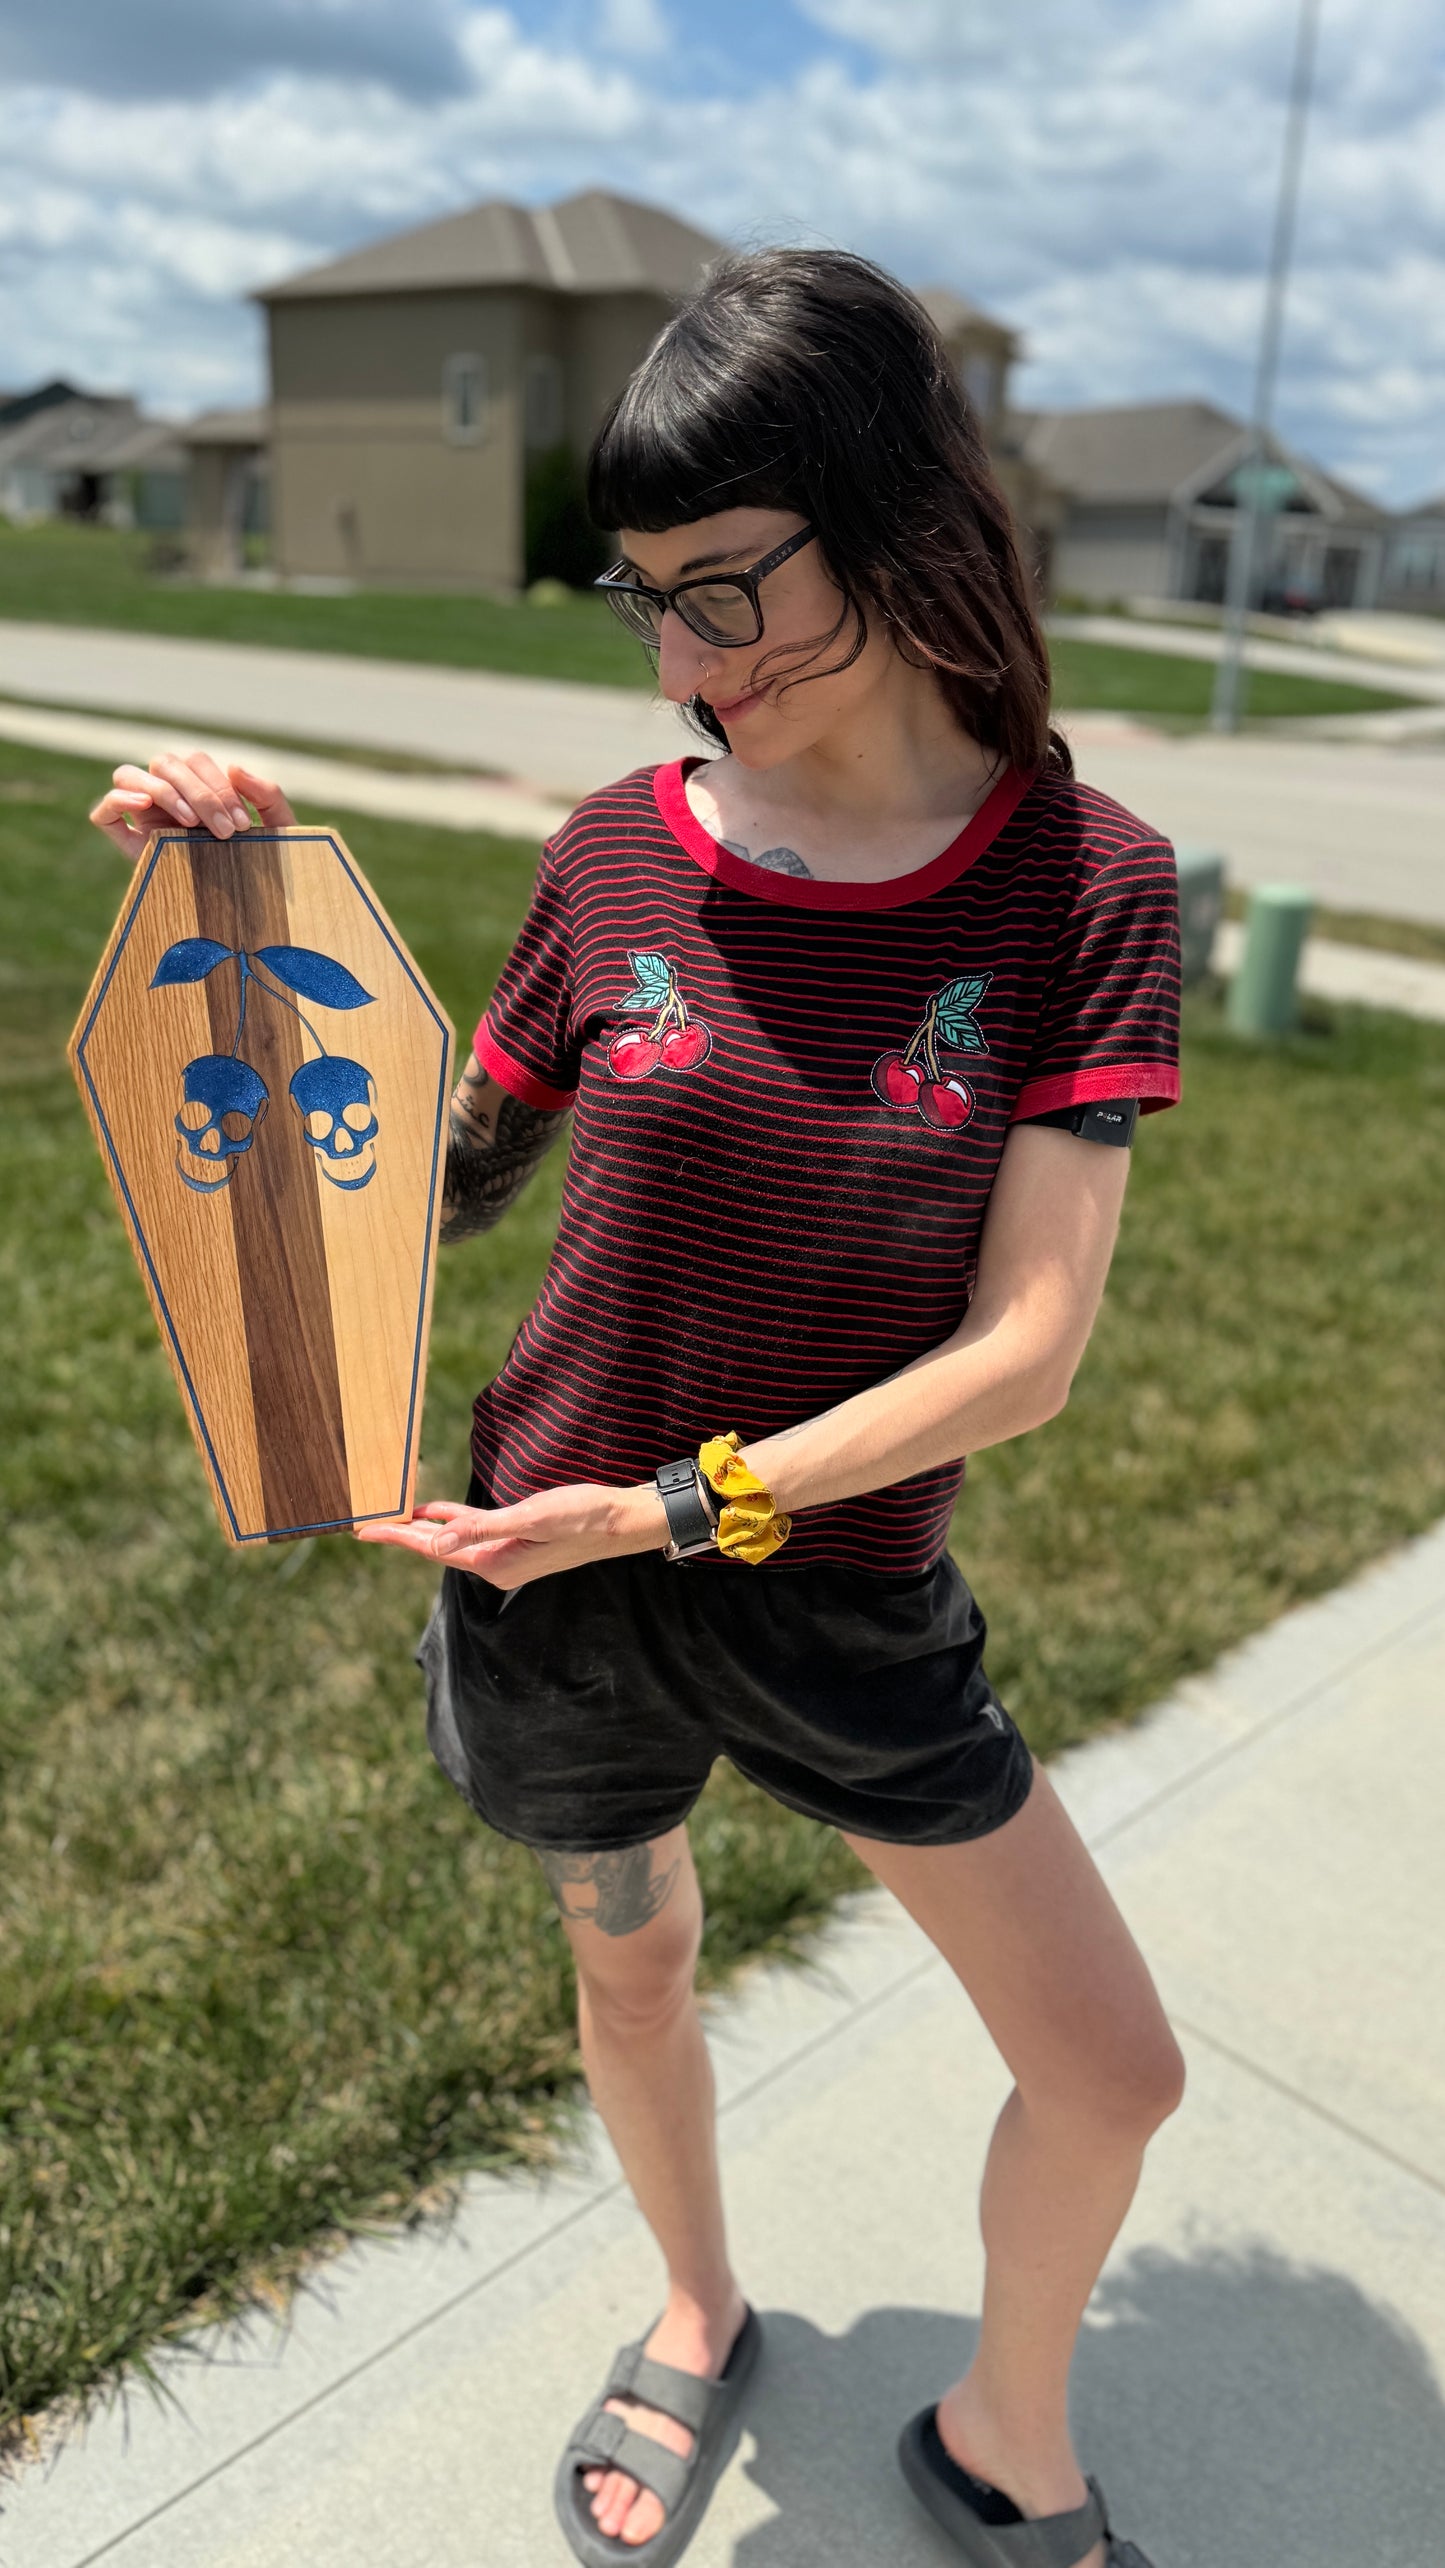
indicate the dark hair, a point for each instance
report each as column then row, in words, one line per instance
column 812, row 380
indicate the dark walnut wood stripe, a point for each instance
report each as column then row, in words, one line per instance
column 280, row 1249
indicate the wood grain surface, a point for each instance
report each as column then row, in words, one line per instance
column 267, row 1072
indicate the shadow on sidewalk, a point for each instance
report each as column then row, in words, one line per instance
column 1240, row 2411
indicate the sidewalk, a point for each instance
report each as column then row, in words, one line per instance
column 1260, row 2380
column 1328, row 970
column 1359, row 823
column 558, row 738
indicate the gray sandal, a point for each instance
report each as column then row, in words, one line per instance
column 1041, row 2541
column 712, row 2411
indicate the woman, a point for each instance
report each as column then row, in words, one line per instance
column 854, row 1017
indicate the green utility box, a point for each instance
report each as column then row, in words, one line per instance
column 1264, row 994
column 1201, row 906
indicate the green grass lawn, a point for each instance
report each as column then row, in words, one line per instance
column 92, row 575
column 1097, row 676
column 262, row 1979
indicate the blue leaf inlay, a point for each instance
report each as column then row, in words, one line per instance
column 190, row 960
column 314, row 976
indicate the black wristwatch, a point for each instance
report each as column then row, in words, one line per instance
column 691, row 1520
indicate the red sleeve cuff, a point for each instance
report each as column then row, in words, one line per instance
column 514, row 1076
column 1154, row 1083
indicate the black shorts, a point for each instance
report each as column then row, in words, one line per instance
column 585, row 1711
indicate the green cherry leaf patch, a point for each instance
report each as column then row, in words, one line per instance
column 959, row 1032
column 963, row 994
column 653, row 975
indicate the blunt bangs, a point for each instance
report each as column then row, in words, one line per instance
column 689, row 437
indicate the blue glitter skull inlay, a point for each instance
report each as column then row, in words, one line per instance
column 336, row 1100
column 223, row 1101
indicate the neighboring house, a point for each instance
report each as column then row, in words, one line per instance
column 65, row 453
column 1152, row 504
column 416, row 384
column 984, row 351
column 432, row 395
column 1414, row 576
column 227, row 487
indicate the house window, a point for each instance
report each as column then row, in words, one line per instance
column 464, row 400
column 543, row 403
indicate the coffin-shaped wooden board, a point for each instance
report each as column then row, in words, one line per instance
column 267, row 1073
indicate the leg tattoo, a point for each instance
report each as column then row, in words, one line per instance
column 616, row 1892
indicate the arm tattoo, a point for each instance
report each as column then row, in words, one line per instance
column 494, row 1144
column 616, row 1893
column 782, row 860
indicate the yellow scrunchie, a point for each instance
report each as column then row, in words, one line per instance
column 750, row 1527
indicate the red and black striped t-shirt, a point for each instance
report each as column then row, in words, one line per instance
column 791, row 1100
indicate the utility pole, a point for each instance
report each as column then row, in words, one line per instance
column 1251, row 498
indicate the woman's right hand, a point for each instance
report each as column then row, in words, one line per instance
column 186, row 788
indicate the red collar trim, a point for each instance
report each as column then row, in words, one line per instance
column 796, row 891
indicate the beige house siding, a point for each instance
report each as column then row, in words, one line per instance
column 1106, row 553
column 370, row 482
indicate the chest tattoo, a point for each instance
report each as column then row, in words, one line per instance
column 779, row 860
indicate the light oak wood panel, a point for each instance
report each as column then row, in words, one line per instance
column 286, row 1225
column 137, row 1041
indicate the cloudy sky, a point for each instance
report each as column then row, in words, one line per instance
column 1099, row 172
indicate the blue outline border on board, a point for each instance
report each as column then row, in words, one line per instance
column 257, row 837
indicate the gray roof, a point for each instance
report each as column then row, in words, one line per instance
column 1146, row 453
column 227, row 428
column 1140, row 452
column 99, row 434
column 594, row 243
column 18, row 406
column 143, row 445
column 73, row 436
column 951, row 312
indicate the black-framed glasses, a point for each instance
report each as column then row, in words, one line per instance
column 725, row 611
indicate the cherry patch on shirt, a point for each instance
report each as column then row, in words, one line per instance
column 673, row 1040
column 922, row 1080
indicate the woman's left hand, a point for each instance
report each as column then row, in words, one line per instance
column 558, row 1529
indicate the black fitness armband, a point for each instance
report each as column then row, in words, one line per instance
column 690, row 1519
column 1109, row 1119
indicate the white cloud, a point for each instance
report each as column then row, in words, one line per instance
column 1102, row 172
column 632, row 27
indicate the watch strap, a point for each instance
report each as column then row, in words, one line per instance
column 690, row 1520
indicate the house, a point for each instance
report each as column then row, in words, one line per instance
column 419, row 386
column 65, row 453
column 433, row 394
column 1152, row 500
